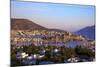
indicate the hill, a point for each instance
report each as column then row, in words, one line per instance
column 88, row 32
column 24, row 24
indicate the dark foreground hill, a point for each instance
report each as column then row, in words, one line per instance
column 24, row 24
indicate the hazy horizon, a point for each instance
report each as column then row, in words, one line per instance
column 58, row 16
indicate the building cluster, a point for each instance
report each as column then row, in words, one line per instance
column 41, row 37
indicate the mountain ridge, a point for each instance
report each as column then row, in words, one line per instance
column 88, row 32
column 24, row 24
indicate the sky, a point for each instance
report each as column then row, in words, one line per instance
column 66, row 17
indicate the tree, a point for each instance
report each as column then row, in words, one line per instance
column 82, row 51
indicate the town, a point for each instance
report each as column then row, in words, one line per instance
column 34, row 47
